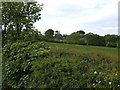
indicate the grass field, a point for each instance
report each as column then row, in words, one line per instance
column 79, row 49
column 63, row 65
column 75, row 66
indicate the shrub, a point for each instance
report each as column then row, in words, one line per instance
column 82, row 42
column 111, row 44
column 17, row 58
column 88, row 70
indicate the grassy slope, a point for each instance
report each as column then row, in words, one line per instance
column 80, row 52
column 71, row 65
column 104, row 51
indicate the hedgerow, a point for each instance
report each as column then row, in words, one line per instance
column 17, row 59
column 87, row 70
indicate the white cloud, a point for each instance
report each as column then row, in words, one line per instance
column 72, row 15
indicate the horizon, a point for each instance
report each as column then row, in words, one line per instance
column 98, row 17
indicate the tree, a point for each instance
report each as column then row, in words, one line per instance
column 19, row 15
column 82, row 33
column 111, row 40
column 94, row 39
column 64, row 36
column 73, row 38
column 49, row 34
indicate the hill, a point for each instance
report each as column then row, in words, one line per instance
column 77, row 66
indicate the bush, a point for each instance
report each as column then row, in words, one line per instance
column 88, row 70
column 111, row 44
column 17, row 59
column 82, row 42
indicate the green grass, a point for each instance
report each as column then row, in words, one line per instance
column 78, row 49
column 77, row 53
column 74, row 66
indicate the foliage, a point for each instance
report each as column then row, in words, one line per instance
column 94, row 39
column 28, row 63
column 49, row 35
column 110, row 44
column 31, row 35
column 81, row 38
column 81, row 32
column 18, row 16
column 68, row 67
column 73, row 38
column 111, row 40
column 82, row 41
column 17, row 59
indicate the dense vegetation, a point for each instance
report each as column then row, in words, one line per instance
column 77, row 66
column 81, row 38
column 30, row 60
column 17, row 61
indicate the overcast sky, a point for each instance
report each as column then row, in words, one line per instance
column 67, row 16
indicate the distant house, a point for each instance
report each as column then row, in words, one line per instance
column 58, row 35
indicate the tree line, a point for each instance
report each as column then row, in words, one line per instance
column 81, row 38
column 18, row 20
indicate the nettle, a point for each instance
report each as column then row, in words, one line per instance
column 17, row 61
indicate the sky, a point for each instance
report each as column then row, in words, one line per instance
column 67, row 16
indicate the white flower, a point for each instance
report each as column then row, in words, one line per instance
column 110, row 83
column 116, row 74
column 99, row 81
column 93, row 84
column 95, row 72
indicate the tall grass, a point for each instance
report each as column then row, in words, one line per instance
column 79, row 49
column 75, row 66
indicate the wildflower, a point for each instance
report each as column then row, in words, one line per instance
column 110, row 83
column 95, row 72
column 96, row 80
column 93, row 84
column 116, row 74
column 99, row 81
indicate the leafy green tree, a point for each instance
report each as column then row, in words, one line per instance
column 64, row 36
column 49, row 34
column 31, row 34
column 94, row 39
column 76, row 37
column 82, row 33
column 111, row 40
column 19, row 16
column 73, row 38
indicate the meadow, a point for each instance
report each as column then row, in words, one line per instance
column 77, row 66
column 79, row 49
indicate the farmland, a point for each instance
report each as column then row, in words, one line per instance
column 73, row 48
column 76, row 66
